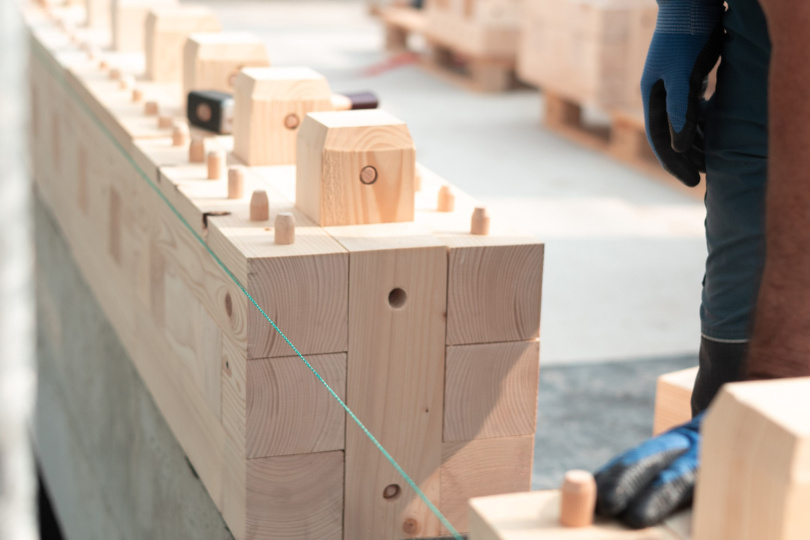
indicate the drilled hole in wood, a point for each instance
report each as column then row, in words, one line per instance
column 397, row 298
column 368, row 175
column 391, row 492
column 292, row 121
column 204, row 112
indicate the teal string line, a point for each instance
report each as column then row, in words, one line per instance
column 65, row 86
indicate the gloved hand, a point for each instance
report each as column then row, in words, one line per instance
column 684, row 49
column 646, row 484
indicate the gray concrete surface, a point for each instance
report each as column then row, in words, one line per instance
column 108, row 458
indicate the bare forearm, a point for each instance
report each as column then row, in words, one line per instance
column 780, row 345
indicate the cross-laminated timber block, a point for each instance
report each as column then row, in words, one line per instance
column 269, row 106
column 211, row 61
column 755, row 463
column 128, row 21
column 397, row 291
column 355, row 168
column 166, row 31
column 490, row 390
column 673, row 394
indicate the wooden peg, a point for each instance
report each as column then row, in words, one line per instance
column 236, row 182
column 479, row 223
column 165, row 121
column 216, row 164
column 447, row 201
column 115, row 74
column 137, row 95
column 126, row 82
column 180, row 134
column 196, row 150
column 102, row 64
column 285, row 229
column 151, row 108
column 577, row 499
column 259, row 206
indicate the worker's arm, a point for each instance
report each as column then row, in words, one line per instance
column 780, row 345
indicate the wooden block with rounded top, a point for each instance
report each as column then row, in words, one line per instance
column 128, row 21
column 354, row 168
column 167, row 28
column 755, row 463
column 490, row 390
column 211, row 61
column 269, row 106
column 578, row 499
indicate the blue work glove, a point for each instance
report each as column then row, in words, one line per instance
column 684, row 49
column 645, row 485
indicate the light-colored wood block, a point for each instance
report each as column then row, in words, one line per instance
column 755, row 463
column 397, row 294
column 536, row 515
column 355, row 168
column 673, row 395
column 477, row 28
column 295, row 497
column 269, row 106
column 166, row 31
column 480, row 468
column 98, row 13
column 129, row 20
column 491, row 390
column 288, row 409
column 211, row 61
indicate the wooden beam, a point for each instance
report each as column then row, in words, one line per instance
column 167, row 28
column 355, row 167
column 128, row 22
column 755, row 464
column 673, row 395
column 491, row 390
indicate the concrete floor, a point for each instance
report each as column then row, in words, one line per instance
column 624, row 251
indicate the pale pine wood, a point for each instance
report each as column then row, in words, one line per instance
column 578, row 499
column 295, row 497
column 479, row 221
column 236, row 182
column 259, row 206
column 265, row 99
column 212, row 60
column 491, row 390
column 354, row 168
column 535, row 515
column 166, row 30
column 289, row 411
column 396, row 362
column 128, row 21
column 481, row 28
column 285, row 229
column 673, row 395
column 755, row 464
column 480, row 468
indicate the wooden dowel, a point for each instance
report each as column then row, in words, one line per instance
column 196, row 150
column 479, row 224
column 285, row 229
column 115, row 74
column 447, row 201
column 577, row 499
column 180, row 134
column 259, row 206
column 216, row 164
column 165, row 121
column 137, row 95
column 150, row 108
column 126, row 82
column 236, row 182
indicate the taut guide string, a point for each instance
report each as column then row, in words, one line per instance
column 65, row 86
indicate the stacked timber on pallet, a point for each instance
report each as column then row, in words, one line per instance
column 591, row 54
column 415, row 309
column 753, row 480
column 473, row 41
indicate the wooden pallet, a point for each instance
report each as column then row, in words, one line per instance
column 446, row 58
column 624, row 138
